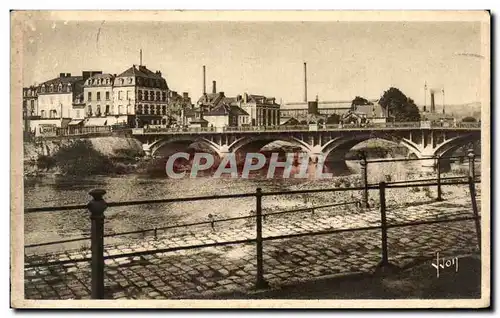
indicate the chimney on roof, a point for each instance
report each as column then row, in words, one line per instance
column 62, row 74
column 140, row 59
column 245, row 98
column 238, row 98
column 204, row 83
column 185, row 95
column 214, row 87
column 68, row 74
column 305, row 82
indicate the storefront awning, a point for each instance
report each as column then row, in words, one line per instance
column 75, row 122
column 96, row 122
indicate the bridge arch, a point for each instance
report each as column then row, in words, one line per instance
column 338, row 147
column 183, row 140
column 447, row 147
column 255, row 143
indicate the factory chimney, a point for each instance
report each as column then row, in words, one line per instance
column 433, row 106
column 214, row 87
column 204, row 81
column 425, row 96
column 140, row 58
column 442, row 91
column 305, row 82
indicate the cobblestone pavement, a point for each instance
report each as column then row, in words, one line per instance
column 206, row 271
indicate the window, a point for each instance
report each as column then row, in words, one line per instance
column 158, row 109
column 89, row 96
column 164, row 96
column 139, row 97
column 43, row 88
column 128, row 95
column 107, row 95
column 120, row 110
column 164, row 110
column 130, row 80
column 42, row 113
column 59, row 88
column 98, row 110
column 146, row 95
column 98, row 96
column 157, row 96
column 139, row 109
column 120, row 95
column 107, row 110
column 146, row 110
column 151, row 95
column 51, row 88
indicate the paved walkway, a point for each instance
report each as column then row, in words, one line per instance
column 204, row 271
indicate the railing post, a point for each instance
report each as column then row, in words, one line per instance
column 261, row 283
column 438, row 167
column 384, row 264
column 471, row 156
column 472, row 189
column 97, row 206
column 364, row 176
column 383, row 222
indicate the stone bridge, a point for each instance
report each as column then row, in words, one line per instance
column 332, row 142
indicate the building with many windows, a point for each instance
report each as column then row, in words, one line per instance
column 140, row 97
column 98, row 97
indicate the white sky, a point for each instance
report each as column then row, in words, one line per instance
column 344, row 58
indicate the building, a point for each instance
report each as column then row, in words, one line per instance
column 225, row 115
column 56, row 99
column 56, row 96
column 98, row 100
column 30, row 102
column 361, row 114
column 288, row 121
column 263, row 111
column 299, row 110
column 140, row 97
column 30, row 106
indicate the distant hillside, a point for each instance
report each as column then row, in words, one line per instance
column 463, row 110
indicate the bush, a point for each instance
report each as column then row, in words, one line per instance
column 81, row 159
column 45, row 162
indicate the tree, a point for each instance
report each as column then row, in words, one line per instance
column 360, row 101
column 401, row 107
column 333, row 119
column 469, row 119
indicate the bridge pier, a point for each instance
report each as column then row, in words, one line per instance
column 428, row 165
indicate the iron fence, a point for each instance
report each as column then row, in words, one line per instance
column 98, row 205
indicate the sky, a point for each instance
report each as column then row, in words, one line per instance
column 344, row 59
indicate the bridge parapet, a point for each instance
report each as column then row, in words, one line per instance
column 311, row 127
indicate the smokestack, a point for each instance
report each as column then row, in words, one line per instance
column 442, row 91
column 204, row 83
column 433, row 106
column 214, row 87
column 305, row 82
column 425, row 96
column 140, row 53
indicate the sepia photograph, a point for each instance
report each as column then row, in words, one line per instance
column 285, row 159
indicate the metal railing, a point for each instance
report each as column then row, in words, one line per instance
column 98, row 205
column 310, row 127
